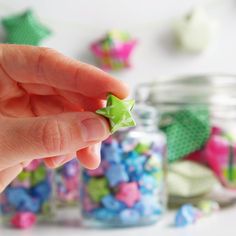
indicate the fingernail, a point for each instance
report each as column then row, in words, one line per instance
column 96, row 149
column 94, row 129
column 57, row 161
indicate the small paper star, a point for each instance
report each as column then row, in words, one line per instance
column 24, row 29
column 97, row 189
column 118, row 112
column 128, row 193
column 116, row 174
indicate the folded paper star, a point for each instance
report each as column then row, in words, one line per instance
column 194, row 31
column 24, row 28
column 187, row 131
column 118, row 112
column 114, row 50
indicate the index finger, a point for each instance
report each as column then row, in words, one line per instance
column 27, row 64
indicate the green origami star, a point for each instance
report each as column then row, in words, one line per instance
column 98, row 188
column 24, row 29
column 118, row 112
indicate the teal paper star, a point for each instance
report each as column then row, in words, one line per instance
column 118, row 112
column 24, row 28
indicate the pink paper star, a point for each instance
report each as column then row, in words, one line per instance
column 128, row 193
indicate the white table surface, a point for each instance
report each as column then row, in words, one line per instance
column 219, row 224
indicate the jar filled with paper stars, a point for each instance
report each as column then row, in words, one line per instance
column 128, row 188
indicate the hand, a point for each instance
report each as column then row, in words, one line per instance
column 46, row 109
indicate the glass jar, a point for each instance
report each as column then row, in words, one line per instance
column 199, row 118
column 128, row 188
column 28, row 198
column 67, row 183
column 66, row 192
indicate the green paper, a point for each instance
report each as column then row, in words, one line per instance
column 38, row 175
column 24, row 175
column 142, row 148
column 98, row 188
column 187, row 130
column 118, row 112
column 24, row 29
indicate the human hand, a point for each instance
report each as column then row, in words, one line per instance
column 46, row 109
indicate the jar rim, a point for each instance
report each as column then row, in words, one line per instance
column 217, row 92
column 208, row 89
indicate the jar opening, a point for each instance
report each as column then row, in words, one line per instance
column 216, row 92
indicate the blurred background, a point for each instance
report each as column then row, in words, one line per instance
column 76, row 24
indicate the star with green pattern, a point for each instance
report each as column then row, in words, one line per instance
column 24, row 28
column 118, row 112
column 187, row 130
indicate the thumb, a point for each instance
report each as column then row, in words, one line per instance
column 23, row 139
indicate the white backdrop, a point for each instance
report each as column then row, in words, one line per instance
column 76, row 23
